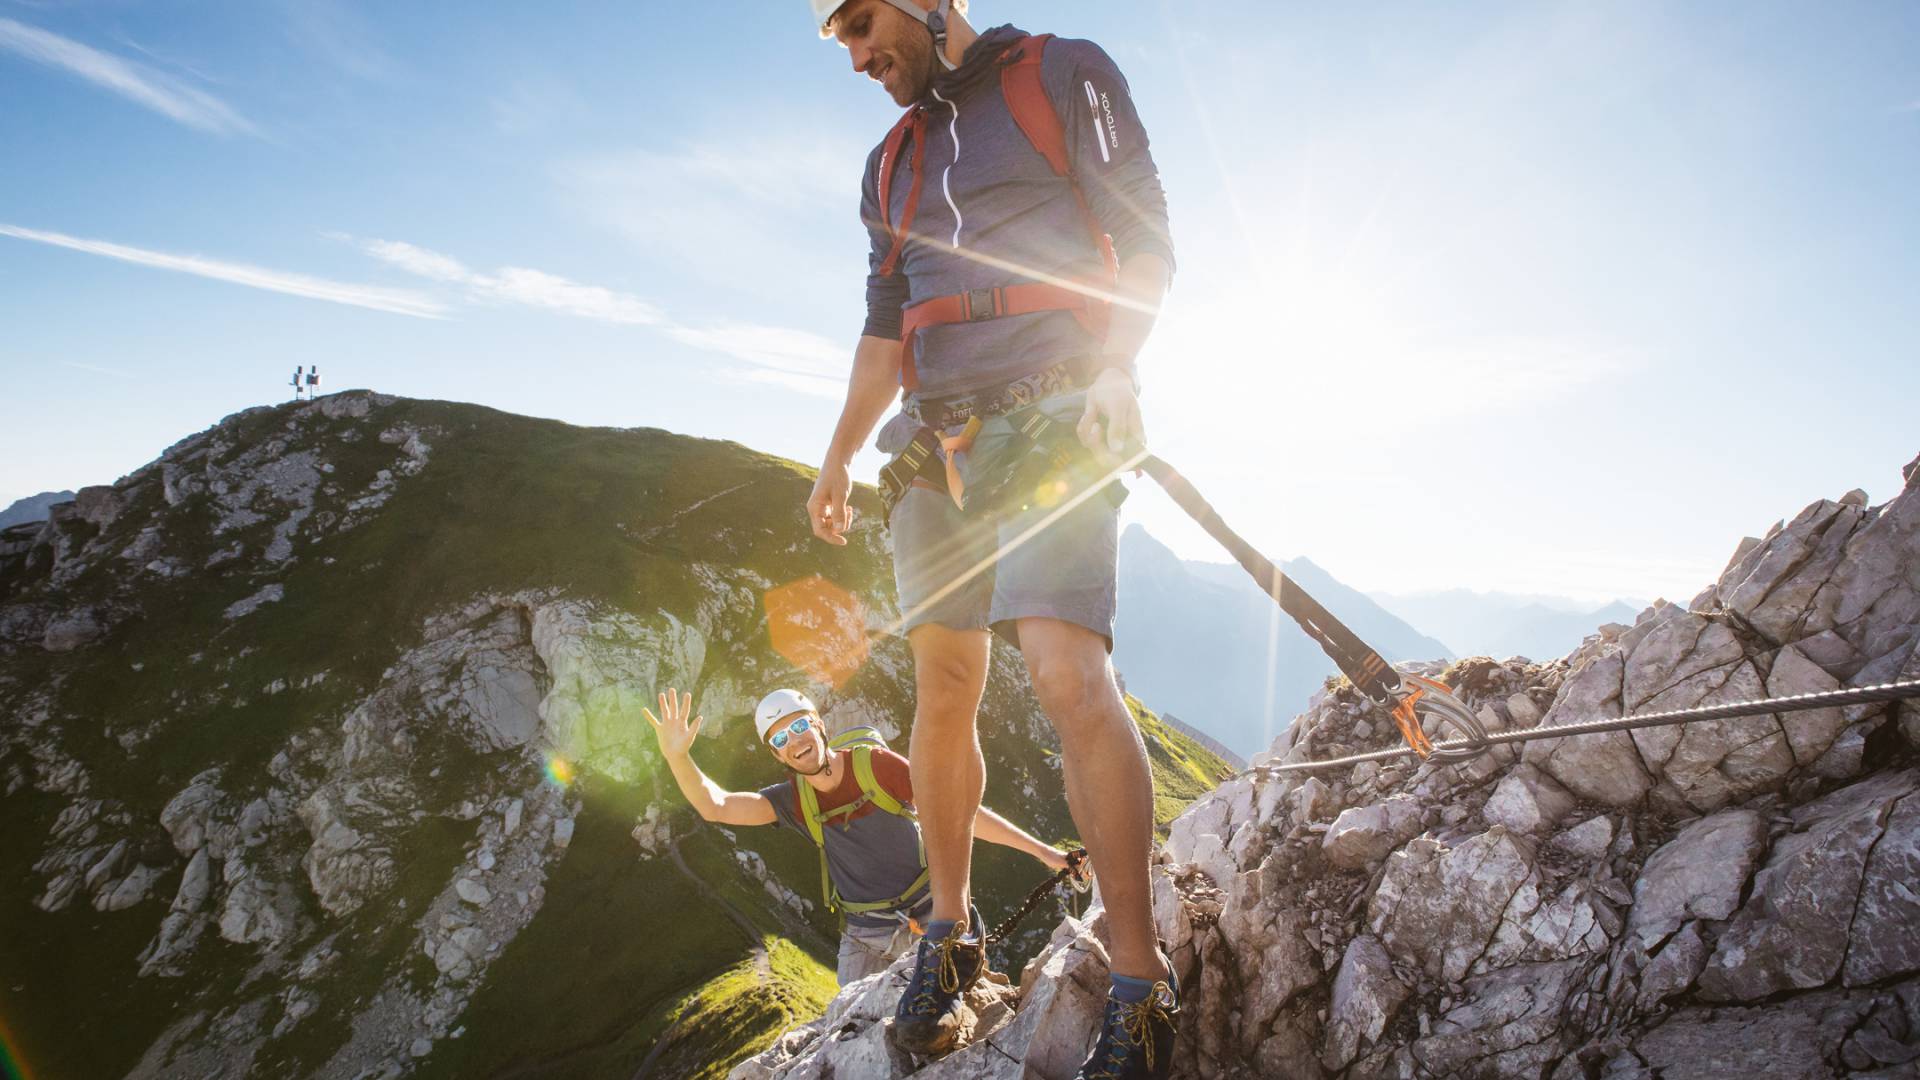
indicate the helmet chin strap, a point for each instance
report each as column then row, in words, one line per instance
column 936, row 23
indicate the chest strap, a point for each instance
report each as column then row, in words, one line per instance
column 981, row 305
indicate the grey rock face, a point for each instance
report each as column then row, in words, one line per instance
column 1794, row 931
column 1588, row 840
column 259, row 910
column 1884, row 940
column 187, row 816
column 74, row 630
column 129, row 890
column 1605, row 768
column 1699, row 874
column 1366, row 997
column 1674, row 968
column 1527, row 801
column 1509, row 1025
column 268, row 594
column 1366, row 834
column 1438, row 906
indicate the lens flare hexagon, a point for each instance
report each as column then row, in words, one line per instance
column 819, row 628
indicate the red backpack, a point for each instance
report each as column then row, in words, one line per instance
column 1033, row 112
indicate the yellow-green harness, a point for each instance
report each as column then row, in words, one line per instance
column 862, row 741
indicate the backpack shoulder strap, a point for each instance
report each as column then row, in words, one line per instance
column 810, row 812
column 1030, row 105
column 911, row 125
column 870, row 784
column 1034, row 114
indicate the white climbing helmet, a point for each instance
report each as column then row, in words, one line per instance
column 780, row 704
column 823, row 14
column 935, row 21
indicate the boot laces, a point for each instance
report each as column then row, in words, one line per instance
column 1132, row 1025
column 946, row 979
column 949, row 967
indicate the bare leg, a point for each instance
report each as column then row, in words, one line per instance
column 1109, row 784
column 950, row 673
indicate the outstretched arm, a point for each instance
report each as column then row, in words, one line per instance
column 995, row 829
column 708, row 799
column 874, row 384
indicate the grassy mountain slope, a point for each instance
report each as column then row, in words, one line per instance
column 398, row 622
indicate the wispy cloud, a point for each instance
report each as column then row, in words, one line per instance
column 793, row 358
column 396, row 301
column 700, row 206
column 96, row 369
column 518, row 285
column 340, row 36
column 134, row 81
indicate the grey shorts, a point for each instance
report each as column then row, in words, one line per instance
column 968, row 571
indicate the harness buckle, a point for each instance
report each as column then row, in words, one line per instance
column 980, row 305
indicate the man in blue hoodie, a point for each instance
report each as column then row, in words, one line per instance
column 1014, row 274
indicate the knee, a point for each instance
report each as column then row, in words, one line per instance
column 944, row 678
column 1072, row 690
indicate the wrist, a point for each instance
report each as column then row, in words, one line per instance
column 1116, row 369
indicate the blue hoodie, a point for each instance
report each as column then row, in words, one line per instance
column 990, row 201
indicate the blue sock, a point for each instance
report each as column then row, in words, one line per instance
column 1130, row 990
column 938, row 929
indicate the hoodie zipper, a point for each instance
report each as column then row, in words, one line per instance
column 946, row 178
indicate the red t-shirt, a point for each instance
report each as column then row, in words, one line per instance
column 890, row 771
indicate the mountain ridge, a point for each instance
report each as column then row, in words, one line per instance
column 1201, row 640
column 32, row 508
column 321, row 752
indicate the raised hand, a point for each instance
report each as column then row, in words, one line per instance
column 672, row 728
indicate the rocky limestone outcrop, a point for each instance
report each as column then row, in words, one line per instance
column 1727, row 898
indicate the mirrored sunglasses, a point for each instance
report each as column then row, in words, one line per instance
column 778, row 740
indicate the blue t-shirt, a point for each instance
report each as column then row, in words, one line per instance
column 871, row 854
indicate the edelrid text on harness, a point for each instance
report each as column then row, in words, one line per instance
column 1033, row 112
column 861, row 741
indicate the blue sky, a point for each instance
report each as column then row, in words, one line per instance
column 1541, row 297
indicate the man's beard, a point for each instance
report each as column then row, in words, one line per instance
column 916, row 69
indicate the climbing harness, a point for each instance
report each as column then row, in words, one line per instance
column 920, row 463
column 1072, row 872
column 862, row 741
column 1824, row 699
column 1037, row 467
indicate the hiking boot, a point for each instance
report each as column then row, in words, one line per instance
column 931, row 1012
column 1136, row 1038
